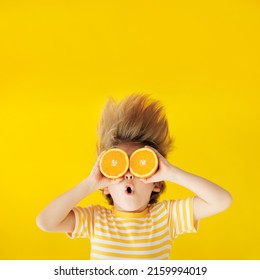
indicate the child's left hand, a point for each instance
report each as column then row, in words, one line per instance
column 163, row 172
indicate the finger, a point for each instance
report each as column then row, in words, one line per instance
column 100, row 155
column 153, row 179
column 116, row 181
column 147, row 180
column 144, row 180
column 99, row 158
column 158, row 154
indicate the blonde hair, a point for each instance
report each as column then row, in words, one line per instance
column 137, row 119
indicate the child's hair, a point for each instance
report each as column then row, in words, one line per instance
column 136, row 119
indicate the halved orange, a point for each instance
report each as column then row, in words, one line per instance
column 143, row 163
column 114, row 163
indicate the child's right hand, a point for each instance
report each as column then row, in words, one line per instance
column 98, row 179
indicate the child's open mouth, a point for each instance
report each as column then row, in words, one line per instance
column 129, row 189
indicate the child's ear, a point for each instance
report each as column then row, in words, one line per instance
column 156, row 187
column 106, row 191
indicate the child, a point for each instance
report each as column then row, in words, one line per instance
column 136, row 227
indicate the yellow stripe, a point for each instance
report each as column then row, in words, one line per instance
column 178, row 215
column 91, row 222
column 154, row 215
column 132, row 233
column 80, row 222
column 191, row 214
column 170, row 219
column 121, row 225
column 95, row 258
column 132, row 248
column 133, row 240
column 142, row 226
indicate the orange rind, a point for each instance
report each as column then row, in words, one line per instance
column 143, row 163
column 114, row 163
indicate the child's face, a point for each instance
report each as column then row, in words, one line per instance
column 131, row 194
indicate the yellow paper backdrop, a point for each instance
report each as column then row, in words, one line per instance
column 59, row 62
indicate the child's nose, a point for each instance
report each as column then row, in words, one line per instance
column 129, row 176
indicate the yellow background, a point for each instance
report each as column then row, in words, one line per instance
column 59, row 62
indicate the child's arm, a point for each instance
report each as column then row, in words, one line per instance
column 211, row 198
column 58, row 216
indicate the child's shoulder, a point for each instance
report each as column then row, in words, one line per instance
column 93, row 207
column 166, row 204
column 159, row 205
column 99, row 209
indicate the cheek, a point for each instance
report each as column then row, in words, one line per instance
column 148, row 187
column 115, row 191
column 112, row 191
column 146, row 190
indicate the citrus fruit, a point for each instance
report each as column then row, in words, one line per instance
column 114, row 163
column 143, row 163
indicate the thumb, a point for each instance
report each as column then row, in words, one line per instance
column 116, row 181
column 145, row 180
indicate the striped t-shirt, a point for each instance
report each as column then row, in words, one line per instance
column 134, row 235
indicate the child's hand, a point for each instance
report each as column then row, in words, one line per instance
column 163, row 171
column 98, row 179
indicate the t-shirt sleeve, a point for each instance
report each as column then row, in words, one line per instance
column 181, row 216
column 84, row 217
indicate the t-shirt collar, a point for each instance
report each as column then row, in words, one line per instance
column 125, row 214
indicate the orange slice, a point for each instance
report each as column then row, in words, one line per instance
column 143, row 163
column 114, row 163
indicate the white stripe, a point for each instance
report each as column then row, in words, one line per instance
column 97, row 232
column 131, row 219
column 87, row 221
column 169, row 218
column 126, row 252
column 80, row 213
column 108, row 242
column 157, row 206
column 76, row 224
column 116, row 218
column 188, row 213
column 175, row 217
column 168, row 204
column 98, row 256
column 125, row 224
column 163, row 214
column 156, row 209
